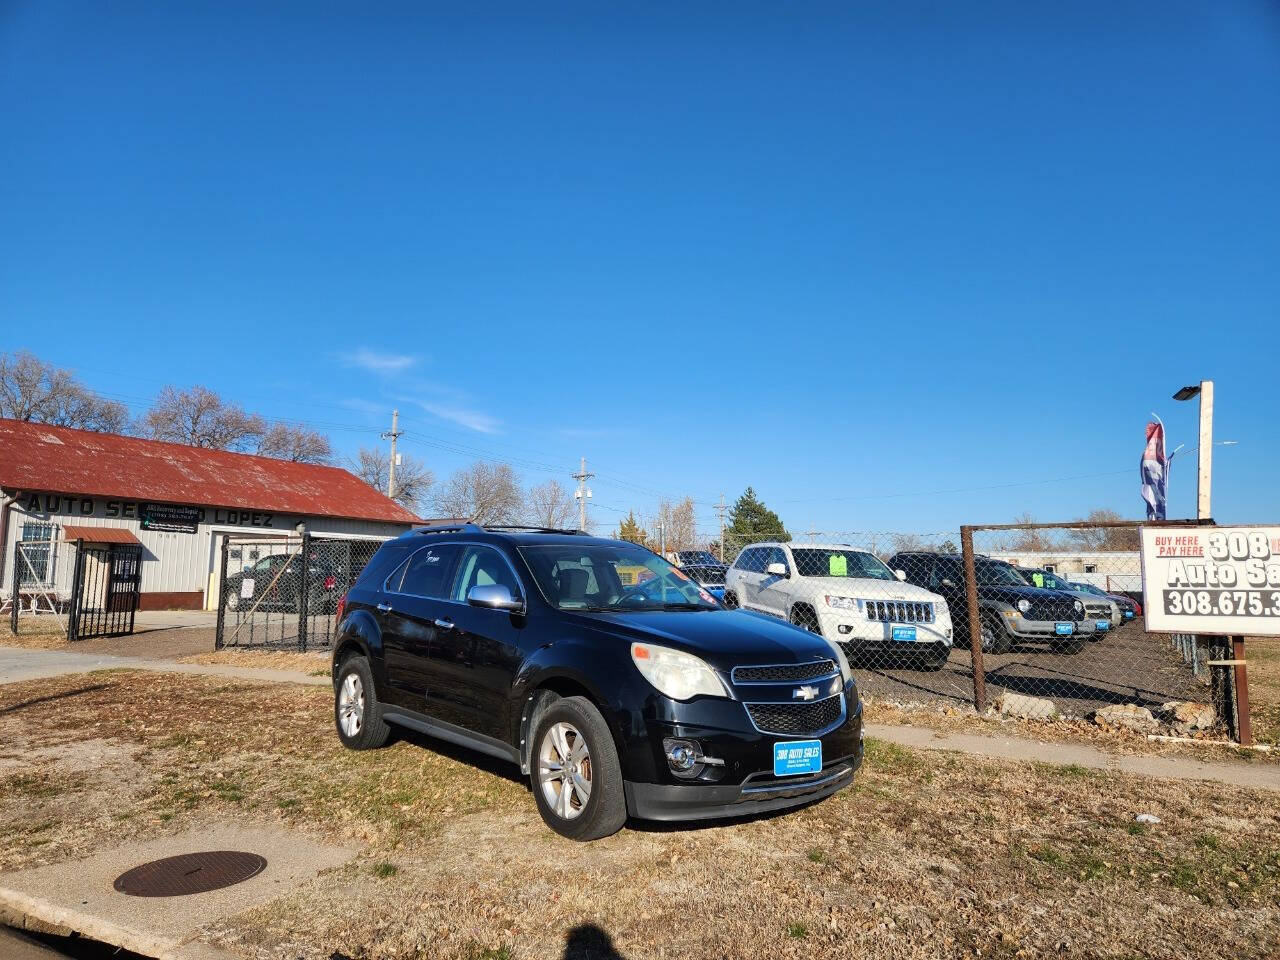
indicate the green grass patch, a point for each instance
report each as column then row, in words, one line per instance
column 384, row 870
column 817, row 856
column 797, row 930
column 1046, row 855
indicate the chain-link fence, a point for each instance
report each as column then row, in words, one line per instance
column 283, row 592
column 1033, row 618
column 36, row 599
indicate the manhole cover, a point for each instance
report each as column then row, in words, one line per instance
column 190, row 873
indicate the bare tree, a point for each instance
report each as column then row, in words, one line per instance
column 1029, row 540
column 675, row 524
column 297, row 443
column 39, row 392
column 413, row 479
column 905, row 543
column 1094, row 539
column 481, row 493
column 550, row 505
column 200, row 418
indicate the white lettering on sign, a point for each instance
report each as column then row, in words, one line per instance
column 1212, row 580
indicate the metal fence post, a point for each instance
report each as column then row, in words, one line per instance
column 222, row 593
column 975, row 619
column 77, row 583
column 15, row 595
column 304, row 590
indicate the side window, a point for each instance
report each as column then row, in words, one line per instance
column 778, row 555
column 428, row 572
column 754, row 562
column 946, row 570
column 481, row 566
column 743, row 562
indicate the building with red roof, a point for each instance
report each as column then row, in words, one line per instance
column 60, row 486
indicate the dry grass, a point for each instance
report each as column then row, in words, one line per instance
column 1263, row 654
column 47, row 632
column 315, row 663
column 928, row 855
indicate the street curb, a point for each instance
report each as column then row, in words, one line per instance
column 18, row 905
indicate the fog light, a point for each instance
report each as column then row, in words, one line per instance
column 684, row 757
column 845, row 628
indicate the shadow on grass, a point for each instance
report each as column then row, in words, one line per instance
column 52, row 697
column 589, row 942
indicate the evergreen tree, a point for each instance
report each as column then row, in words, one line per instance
column 750, row 521
column 631, row 531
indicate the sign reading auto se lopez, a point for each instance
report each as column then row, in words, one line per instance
column 1213, row 580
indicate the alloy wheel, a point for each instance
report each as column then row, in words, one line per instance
column 564, row 770
column 351, row 705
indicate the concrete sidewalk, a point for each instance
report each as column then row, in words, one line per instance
column 1256, row 776
column 19, row 663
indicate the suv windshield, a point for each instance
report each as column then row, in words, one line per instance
column 611, row 576
column 995, row 574
column 855, row 564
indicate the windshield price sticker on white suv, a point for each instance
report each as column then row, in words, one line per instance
column 1216, row 580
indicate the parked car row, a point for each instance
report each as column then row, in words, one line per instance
column 916, row 606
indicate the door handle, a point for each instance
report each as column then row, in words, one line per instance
column 444, row 624
column 384, row 608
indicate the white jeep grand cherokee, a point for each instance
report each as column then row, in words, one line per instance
column 847, row 595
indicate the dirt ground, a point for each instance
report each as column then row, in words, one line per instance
column 1128, row 665
column 928, row 854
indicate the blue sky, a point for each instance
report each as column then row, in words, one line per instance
column 852, row 255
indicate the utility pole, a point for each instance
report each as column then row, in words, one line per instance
column 720, row 512
column 1204, row 486
column 393, row 436
column 582, row 494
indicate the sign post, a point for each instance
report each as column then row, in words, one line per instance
column 1222, row 581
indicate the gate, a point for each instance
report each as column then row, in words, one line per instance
column 283, row 592
column 104, row 590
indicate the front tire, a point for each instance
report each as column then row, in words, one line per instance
column 575, row 772
column 934, row 659
column 355, row 708
column 995, row 639
column 805, row 619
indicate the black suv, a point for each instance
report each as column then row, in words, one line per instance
column 616, row 700
column 1011, row 610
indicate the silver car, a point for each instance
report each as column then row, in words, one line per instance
column 1104, row 612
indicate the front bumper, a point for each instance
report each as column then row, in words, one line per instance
column 1045, row 630
column 848, row 626
column 744, row 783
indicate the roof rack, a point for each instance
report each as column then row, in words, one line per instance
column 477, row 528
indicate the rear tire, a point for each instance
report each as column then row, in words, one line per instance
column 575, row 772
column 355, row 707
column 730, row 600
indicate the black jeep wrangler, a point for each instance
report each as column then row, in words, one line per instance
column 616, row 696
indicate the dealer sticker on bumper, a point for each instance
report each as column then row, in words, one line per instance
column 796, row 757
column 1064, row 629
column 1104, row 624
column 904, row 633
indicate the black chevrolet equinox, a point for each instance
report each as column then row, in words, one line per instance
column 617, row 684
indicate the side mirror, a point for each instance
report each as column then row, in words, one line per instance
column 494, row 596
column 776, row 569
column 901, row 575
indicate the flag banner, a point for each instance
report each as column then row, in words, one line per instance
column 1154, row 472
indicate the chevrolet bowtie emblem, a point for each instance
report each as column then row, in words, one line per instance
column 804, row 693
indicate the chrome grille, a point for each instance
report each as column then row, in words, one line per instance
column 899, row 611
column 797, row 719
column 785, row 672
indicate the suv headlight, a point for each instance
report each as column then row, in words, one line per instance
column 1079, row 607
column 1024, row 605
column 676, row 674
column 846, row 672
column 843, row 603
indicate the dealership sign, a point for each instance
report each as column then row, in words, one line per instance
column 1214, row 580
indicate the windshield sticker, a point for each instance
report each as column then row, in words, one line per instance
column 708, row 598
column 838, row 564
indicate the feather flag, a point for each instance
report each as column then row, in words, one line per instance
column 1154, row 471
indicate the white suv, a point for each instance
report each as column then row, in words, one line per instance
column 847, row 595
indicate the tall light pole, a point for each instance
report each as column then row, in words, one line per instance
column 582, row 494
column 1204, row 481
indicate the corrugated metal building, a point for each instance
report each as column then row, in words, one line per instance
column 58, row 484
